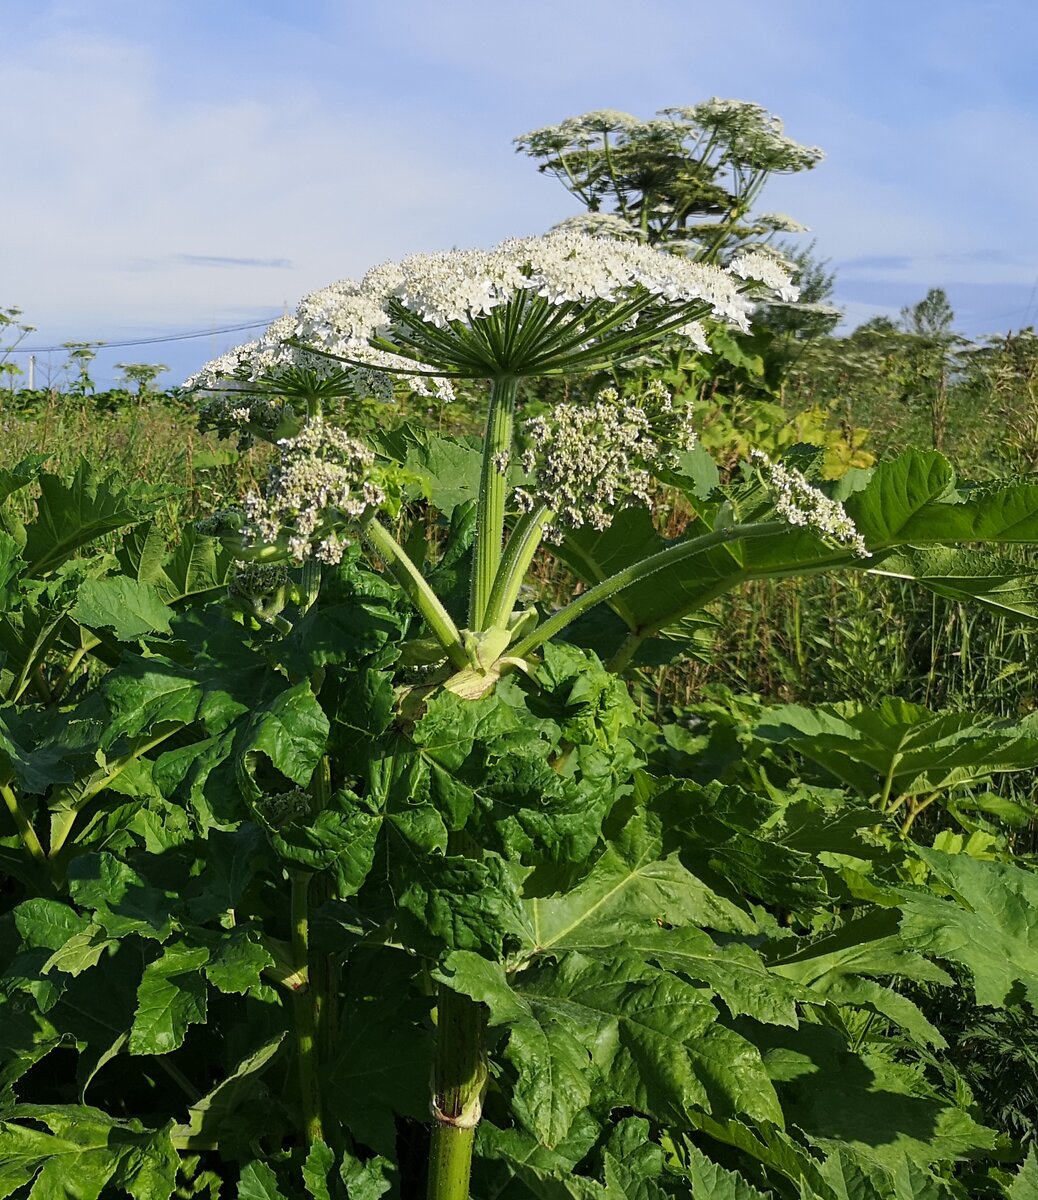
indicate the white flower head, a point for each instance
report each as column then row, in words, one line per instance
column 587, row 459
column 781, row 223
column 600, row 225
column 800, row 503
column 322, row 482
column 768, row 270
column 562, row 303
column 251, row 389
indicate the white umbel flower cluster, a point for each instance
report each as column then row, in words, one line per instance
column 530, row 306
column 588, row 459
column 601, row 225
column 768, row 269
column 323, row 481
column 250, row 390
column 753, row 136
column 269, row 359
column 782, row 223
column 802, row 504
column 749, row 136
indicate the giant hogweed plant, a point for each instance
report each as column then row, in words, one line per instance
column 363, row 877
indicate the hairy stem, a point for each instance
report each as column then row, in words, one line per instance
column 621, row 660
column 323, row 971
column 303, row 1011
column 71, row 666
column 515, row 562
column 885, row 803
column 490, row 511
column 459, row 1075
column 916, row 807
column 25, row 830
column 635, row 573
column 77, row 795
column 310, row 584
column 42, row 687
column 418, row 590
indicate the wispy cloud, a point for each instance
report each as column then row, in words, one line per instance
column 147, row 128
column 223, row 260
column 876, row 262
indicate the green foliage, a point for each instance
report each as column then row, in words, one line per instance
column 725, row 960
column 269, row 868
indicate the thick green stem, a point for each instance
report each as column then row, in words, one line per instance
column 75, row 797
column 418, row 590
column 515, row 562
column 71, row 666
column 303, row 1011
column 621, row 660
column 916, row 808
column 323, row 970
column 450, row 1162
column 635, row 573
column 885, row 803
column 310, row 584
column 459, row 1076
column 25, row 830
column 490, row 511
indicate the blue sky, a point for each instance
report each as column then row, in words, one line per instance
column 178, row 165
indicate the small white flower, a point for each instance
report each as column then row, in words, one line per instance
column 781, row 223
column 323, row 479
column 588, row 458
column 767, row 269
column 802, row 504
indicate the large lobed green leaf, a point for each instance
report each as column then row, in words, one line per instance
column 916, row 750
column 71, row 514
column 986, row 923
column 901, row 505
column 82, row 1152
column 651, row 1037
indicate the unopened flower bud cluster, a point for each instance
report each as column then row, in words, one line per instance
column 284, row 808
column 802, row 504
column 588, row 459
column 222, row 522
column 254, row 581
column 324, row 480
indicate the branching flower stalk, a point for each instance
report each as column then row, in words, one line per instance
column 413, row 583
column 522, row 545
column 490, row 513
column 633, row 574
column 687, row 176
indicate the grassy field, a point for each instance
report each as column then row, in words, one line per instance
column 802, row 640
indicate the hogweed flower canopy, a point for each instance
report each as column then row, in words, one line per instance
column 561, row 304
column 687, row 176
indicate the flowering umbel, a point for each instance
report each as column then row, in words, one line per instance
column 587, row 459
column 800, row 503
column 537, row 306
column 324, row 482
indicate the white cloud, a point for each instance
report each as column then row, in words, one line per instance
column 109, row 178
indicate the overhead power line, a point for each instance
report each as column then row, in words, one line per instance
column 170, row 337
